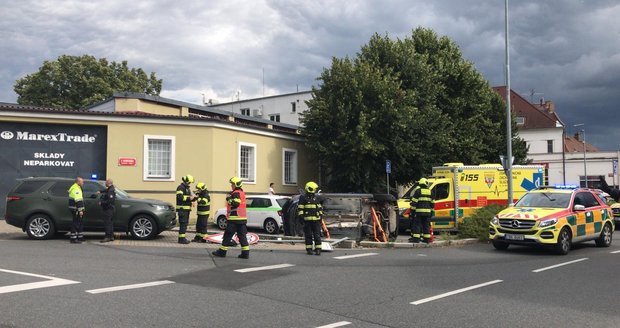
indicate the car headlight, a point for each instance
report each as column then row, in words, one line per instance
column 160, row 207
column 495, row 221
column 547, row 223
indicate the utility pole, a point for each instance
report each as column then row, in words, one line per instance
column 508, row 161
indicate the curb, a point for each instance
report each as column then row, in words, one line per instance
column 441, row 243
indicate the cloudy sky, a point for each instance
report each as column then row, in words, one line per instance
column 567, row 51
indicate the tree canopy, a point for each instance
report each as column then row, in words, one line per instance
column 75, row 82
column 415, row 101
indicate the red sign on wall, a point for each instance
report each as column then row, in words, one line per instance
column 127, row 161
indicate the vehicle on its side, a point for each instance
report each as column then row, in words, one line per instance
column 264, row 212
column 554, row 217
column 39, row 206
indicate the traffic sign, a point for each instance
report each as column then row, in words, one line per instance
column 388, row 166
column 615, row 161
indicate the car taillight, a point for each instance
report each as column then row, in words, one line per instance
column 11, row 198
column 280, row 213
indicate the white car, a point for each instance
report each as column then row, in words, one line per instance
column 264, row 212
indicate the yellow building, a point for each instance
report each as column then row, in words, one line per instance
column 147, row 143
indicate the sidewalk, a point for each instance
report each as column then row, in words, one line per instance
column 169, row 239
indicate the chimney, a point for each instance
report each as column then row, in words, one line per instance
column 550, row 106
column 577, row 136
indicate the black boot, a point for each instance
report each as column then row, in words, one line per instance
column 317, row 252
column 244, row 255
column 75, row 241
column 198, row 239
column 107, row 239
column 219, row 253
column 308, row 251
column 183, row 241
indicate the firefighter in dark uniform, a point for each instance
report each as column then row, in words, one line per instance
column 422, row 205
column 203, row 207
column 412, row 221
column 236, row 216
column 76, row 206
column 311, row 211
column 107, row 200
column 184, row 206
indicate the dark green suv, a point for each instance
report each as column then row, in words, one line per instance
column 39, row 206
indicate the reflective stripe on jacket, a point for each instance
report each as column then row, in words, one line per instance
column 236, row 205
column 309, row 208
column 422, row 202
column 76, row 199
column 184, row 198
column 203, row 204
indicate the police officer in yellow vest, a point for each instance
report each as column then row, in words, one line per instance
column 184, row 206
column 236, row 215
column 76, row 206
column 422, row 205
column 311, row 211
column 203, row 204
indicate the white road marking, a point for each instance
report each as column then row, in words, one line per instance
column 614, row 252
column 559, row 265
column 52, row 282
column 336, row 324
column 269, row 267
column 458, row 291
column 344, row 257
column 134, row 286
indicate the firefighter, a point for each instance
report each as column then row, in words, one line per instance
column 422, row 205
column 76, row 206
column 203, row 207
column 311, row 211
column 184, row 206
column 412, row 221
column 236, row 216
column 107, row 200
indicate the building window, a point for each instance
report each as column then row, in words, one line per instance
column 247, row 162
column 245, row 111
column 520, row 120
column 274, row 117
column 158, row 158
column 293, row 107
column 289, row 163
column 549, row 146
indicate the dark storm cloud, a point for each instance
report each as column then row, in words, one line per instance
column 566, row 51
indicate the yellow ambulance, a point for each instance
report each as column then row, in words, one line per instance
column 460, row 189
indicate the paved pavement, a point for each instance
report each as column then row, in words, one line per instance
column 169, row 239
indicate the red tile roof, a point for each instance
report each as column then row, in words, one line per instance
column 535, row 118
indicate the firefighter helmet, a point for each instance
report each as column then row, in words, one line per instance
column 201, row 186
column 236, row 181
column 188, row 179
column 311, row 187
column 423, row 182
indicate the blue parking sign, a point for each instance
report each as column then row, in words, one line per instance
column 615, row 161
column 388, row 166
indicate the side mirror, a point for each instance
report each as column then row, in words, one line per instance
column 579, row 208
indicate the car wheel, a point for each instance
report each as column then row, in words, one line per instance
column 221, row 222
column 271, row 226
column 564, row 242
column 500, row 245
column 40, row 226
column 604, row 240
column 143, row 227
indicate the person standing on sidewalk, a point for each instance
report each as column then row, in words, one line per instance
column 236, row 215
column 76, row 206
column 203, row 204
column 107, row 200
column 422, row 204
column 184, row 206
column 311, row 211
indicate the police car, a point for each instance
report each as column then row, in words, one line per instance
column 264, row 212
column 555, row 217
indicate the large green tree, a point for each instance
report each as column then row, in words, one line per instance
column 74, row 82
column 415, row 101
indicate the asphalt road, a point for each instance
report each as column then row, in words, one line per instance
column 468, row 286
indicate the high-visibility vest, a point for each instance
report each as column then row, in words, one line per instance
column 184, row 198
column 422, row 202
column 76, row 199
column 236, row 206
column 203, row 203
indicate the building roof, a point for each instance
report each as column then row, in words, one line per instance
column 575, row 145
column 535, row 117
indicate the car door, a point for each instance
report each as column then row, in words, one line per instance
column 57, row 199
column 584, row 226
column 251, row 211
column 93, row 214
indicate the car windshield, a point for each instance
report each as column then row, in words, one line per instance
column 545, row 199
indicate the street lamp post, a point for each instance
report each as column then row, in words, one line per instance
column 583, row 139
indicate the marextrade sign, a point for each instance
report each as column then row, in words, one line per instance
column 59, row 150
